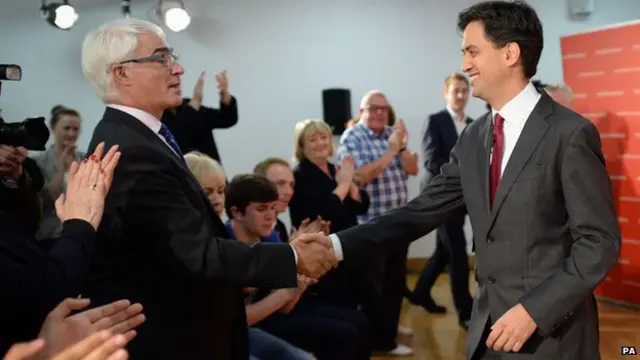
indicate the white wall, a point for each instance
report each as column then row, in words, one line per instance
column 279, row 55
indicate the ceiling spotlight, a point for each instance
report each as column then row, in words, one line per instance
column 61, row 15
column 173, row 14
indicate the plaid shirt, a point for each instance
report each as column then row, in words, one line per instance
column 387, row 191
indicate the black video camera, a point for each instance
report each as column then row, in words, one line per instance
column 31, row 133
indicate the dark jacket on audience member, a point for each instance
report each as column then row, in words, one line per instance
column 313, row 196
column 193, row 129
column 34, row 282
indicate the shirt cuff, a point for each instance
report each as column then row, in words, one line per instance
column 337, row 246
column 295, row 254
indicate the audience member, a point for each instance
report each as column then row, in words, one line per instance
column 192, row 123
column 54, row 163
column 35, row 281
column 561, row 93
column 210, row 176
column 323, row 190
column 440, row 133
column 251, row 206
column 161, row 242
column 383, row 166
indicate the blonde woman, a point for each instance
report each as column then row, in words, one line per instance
column 325, row 190
column 211, row 177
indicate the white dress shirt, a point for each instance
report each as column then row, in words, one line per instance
column 155, row 124
column 459, row 122
column 515, row 114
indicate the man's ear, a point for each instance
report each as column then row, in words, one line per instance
column 234, row 213
column 512, row 53
column 120, row 75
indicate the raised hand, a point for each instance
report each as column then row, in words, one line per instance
column 315, row 254
column 346, row 171
column 61, row 331
column 87, row 187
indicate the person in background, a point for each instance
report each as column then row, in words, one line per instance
column 34, row 281
column 440, row 133
column 262, row 345
column 328, row 332
column 192, row 123
column 211, row 177
column 54, row 163
column 383, row 166
column 324, row 190
column 561, row 93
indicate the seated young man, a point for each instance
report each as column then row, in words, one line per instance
column 262, row 345
column 330, row 333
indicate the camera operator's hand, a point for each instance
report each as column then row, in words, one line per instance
column 87, row 187
column 11, row 160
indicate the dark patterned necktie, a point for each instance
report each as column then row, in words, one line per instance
column 496, row 156
column 168, row 136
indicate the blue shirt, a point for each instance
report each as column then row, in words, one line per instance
column 272, row 238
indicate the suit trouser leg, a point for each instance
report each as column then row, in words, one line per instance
column 458, row 261
column 432, row 269
column 383, row 293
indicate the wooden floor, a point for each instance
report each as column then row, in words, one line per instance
column 438, row 337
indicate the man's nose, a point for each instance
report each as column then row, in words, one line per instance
column 177, row 69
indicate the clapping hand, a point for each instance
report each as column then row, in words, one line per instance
column 61, row 330
column 87, row 187
column 346, row 171
column 315, row 254
column 307, row 227
column 223, row 87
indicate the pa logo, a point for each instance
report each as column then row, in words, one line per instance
column 628, row 350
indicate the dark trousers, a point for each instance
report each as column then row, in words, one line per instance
column 482, row 352
column 451, row 249
column 382, row 295
column 330, row 333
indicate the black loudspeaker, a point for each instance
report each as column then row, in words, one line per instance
column 336, row 105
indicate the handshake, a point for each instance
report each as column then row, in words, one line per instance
column 314, row 249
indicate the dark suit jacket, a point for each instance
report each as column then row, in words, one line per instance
column 33, row 281
column 439, row 136
column 550, row 238
column 193, row 129
column 161, row 243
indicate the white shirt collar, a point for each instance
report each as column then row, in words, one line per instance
column 519, row 108
column 149, row 120
column 454, row 116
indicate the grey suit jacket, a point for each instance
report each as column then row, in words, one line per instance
column 550, row 238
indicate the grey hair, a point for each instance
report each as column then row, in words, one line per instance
column 560, row 87
column 110, row 44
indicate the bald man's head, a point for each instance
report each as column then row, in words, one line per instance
column 374, row 110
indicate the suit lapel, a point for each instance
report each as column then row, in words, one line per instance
column 534, row 129
column 483, row 153
column 449, row 128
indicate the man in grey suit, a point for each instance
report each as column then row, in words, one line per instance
column 532, row 177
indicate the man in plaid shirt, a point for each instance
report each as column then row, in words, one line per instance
column 383, row 166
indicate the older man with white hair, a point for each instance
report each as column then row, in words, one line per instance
column 160, row 242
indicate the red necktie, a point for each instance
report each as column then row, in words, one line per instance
column 496, row 156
